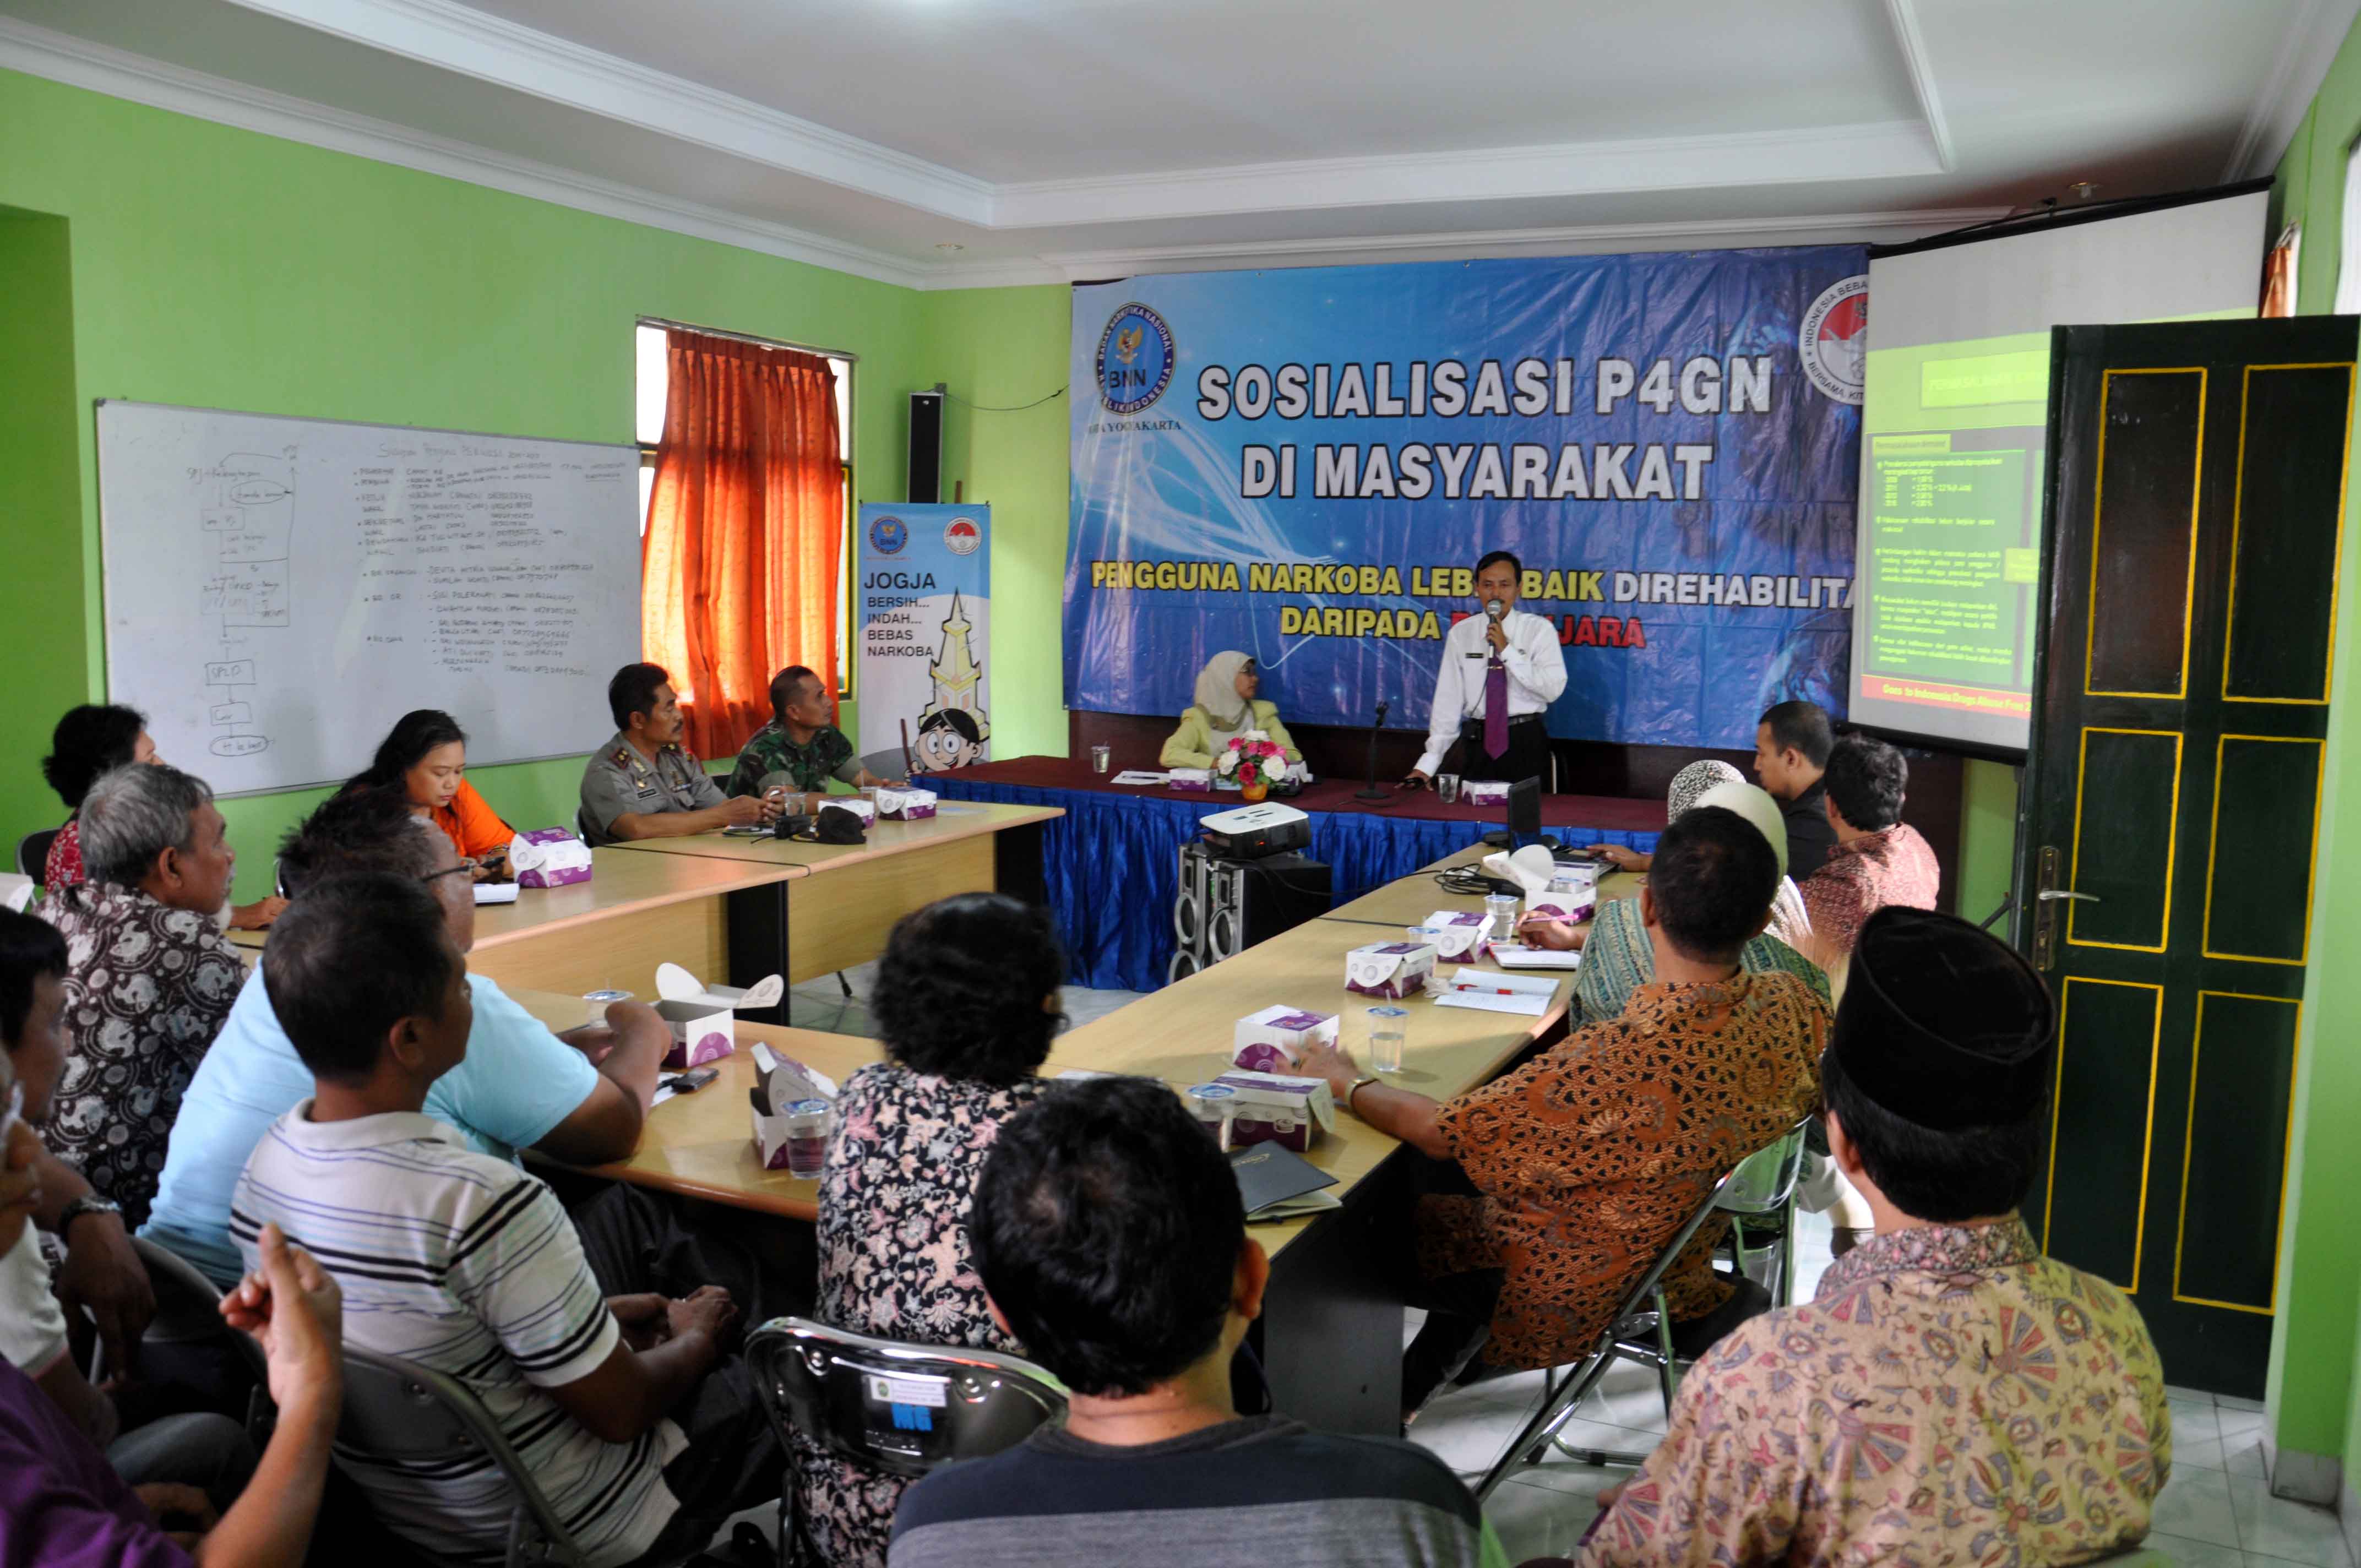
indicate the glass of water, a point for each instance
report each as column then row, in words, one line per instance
column 1101, row 757
column 1446, row 788
column 1503, row 908
column 1388, row 1028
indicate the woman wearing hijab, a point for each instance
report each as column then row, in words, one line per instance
column 1226, row 708
column 1616, row 958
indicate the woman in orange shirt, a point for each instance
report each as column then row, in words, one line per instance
column 425, row 757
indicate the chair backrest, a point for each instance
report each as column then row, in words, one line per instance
column 902, row 1408
column 401, row 1411
column 33, row 853
column 1641, row 1298
column 188, row 1305
column 1765, row 1180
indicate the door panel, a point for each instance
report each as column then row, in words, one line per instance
column 2107, row 1032
column 2241, row 1083
column 2265, row 823
column 2195, row 496
column 2127, row 795
column 2144, row 522
column 2283, row 580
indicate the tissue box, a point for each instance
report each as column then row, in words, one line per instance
column 1391, row 969
column 1457, row 933
column 1198, row 779
column 1273, row 1108
column 703, row 1019
column 905, row 804
column 1273, row 1039
column 548, row 857
column 1578, row 903
column 1484, row 792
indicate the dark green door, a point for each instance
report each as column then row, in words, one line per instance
column 2196, row 490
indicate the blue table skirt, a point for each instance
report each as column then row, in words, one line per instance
column 1111, row 865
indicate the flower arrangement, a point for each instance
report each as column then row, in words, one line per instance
column 1252, row 760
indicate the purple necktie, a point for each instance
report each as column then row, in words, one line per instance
column 1496, row 708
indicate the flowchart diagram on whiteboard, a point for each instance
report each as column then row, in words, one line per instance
column 250, row 524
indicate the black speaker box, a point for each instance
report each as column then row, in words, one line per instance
column 925, row 448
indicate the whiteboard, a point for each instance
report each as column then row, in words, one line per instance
column 279, row 591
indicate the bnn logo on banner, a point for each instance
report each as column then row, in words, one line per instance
column 924, row 612
column 1305, row 464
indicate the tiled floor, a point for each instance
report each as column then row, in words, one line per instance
column 822, row 1005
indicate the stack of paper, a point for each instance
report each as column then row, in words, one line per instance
column 1138, row 776
column 1527, row 993
column 1516, row 955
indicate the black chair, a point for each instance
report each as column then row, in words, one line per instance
column 33, row 853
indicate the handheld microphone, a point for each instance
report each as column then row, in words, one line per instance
column 1496, row 608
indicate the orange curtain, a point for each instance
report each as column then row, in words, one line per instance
column 739, row 571
column 2279, row 275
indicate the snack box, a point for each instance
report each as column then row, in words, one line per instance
column 703, row 1019
column 1273, row 1039
column 1391, row 969
column 1572, row 895
column 1273, row 1108
column 548, row 857
column 1484, row 792
column 1457, row 933
column 905, row 804
column 1200, row 780
column 862, row 808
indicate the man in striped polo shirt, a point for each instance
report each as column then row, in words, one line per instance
column 1111, row 1243
column 464, row 1264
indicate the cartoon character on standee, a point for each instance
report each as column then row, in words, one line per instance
column 948, row 738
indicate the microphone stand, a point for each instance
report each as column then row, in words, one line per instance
column 1373, row 792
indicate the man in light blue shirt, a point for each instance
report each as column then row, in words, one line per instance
column 579, row 1097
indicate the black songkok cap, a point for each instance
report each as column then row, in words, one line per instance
column 1942, row 1025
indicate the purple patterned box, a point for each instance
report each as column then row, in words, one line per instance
column 1391, row 969
column 549, row 857
column 1273, row 1108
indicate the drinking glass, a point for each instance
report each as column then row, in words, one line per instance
column 807, row 1138
column 1101, row 758
column 1215, row 1107
column 1446, row 788
column 598, row 1002
column 1503, row 908
column 1388, row 1027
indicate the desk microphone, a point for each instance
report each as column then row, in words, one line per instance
column 1373, row 792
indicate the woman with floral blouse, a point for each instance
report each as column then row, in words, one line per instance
column 966, row 1002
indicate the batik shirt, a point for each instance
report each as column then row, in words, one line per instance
column 1895, row 866
column 894, row 1260
column 1951, row 1396
column 1618, row 957
column 147, row 989
column 827, row 755
column 1592, row 1154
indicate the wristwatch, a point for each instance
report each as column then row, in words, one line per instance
column 1359, row 1084
column 88, row 1203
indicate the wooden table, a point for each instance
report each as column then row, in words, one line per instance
column 702, row 1144
column 1411, row 899
column 846, row 897
column 635, row 912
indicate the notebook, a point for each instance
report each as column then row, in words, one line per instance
column 1516, row 955
column 1278, row 1182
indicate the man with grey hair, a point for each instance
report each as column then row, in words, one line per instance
column 148, row 978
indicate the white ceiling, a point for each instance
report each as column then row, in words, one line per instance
column 1049, row 139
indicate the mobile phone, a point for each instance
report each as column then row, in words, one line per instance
column 689, row 1082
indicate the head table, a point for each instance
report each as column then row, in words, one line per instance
column 1111, row 862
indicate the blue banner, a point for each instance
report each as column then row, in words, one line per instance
column 1305, row 465
column 924, row 613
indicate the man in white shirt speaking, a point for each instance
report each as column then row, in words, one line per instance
column 1500, row 672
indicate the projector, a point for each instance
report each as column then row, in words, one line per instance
column 1253, row 831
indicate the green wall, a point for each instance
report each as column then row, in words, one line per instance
column 2314, row 1401
column 1000, row 349
column 224, row 268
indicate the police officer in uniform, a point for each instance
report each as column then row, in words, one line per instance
column 643, row 784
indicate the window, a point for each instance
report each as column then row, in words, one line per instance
column 651, row 386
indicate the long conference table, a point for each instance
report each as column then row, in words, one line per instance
column 1331, row 1333
column 734, row 910
column 1111, row 855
